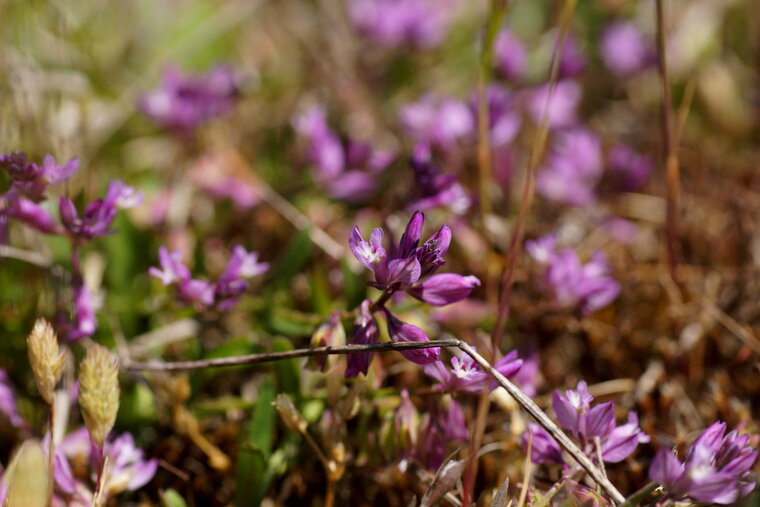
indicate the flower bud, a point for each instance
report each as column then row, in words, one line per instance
column 45, row 359
column 290, row 414
column 99, row 392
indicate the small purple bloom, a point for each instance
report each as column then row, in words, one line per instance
column 464, row 376
column 619, row 443
column 573, row 168
column 510, row 55
column 572, row 60
column 572, row 284
column 432, row 188
column 182, row 102
column 172, row 269
column 85, row 323
column 420, row 23
column 543, row 448
column 716, row 468
column 453, row 424
column 444, row 289
column 438, row 122
column 347, row 171
column 542, row 249
column 33, row 215
column 403, row 332
column 560, row 107
column 624, row 49
column 628, row 170
column 365, row 331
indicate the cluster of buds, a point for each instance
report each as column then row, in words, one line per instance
column 182, row 102
column 716, row 468
column 28, row 184
column 223, row 294
column 570, row 283
column 346, row 170
column 592, row 427
column 408, row 267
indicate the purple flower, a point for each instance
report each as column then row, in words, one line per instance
column 466, row 375
column 33, row 215
column 420, row 23
column 573, row 168
column 438, row 122
column 572, row 284
column 560, row 107
column 619, row 443
column 624, row 49
column 85, row 323
column 716, row 468
column 444, row 289
column 405, row 422
column 8, row 401
column 432, row 188
column 572, row 409
column 628, row 170
column 543, row 448
column 453, row 425
column 365, row 331
column 98, row 215
column 31, row 180
column 572, row 60
column 509, row 55
column 181, row 102
column 223, row 294
column 403, row 332
column 346, row 171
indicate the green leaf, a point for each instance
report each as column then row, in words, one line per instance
column 294, row 258
column 254, row 475
column 171, row 498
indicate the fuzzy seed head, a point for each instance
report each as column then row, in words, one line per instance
column 99, row 392
column 45, row 359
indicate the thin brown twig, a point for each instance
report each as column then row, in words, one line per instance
column 520, row 397
column 672, row 170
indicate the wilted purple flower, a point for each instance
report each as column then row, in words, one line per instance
column 453, row 425
column 403, row 332
column 628, row 170
column 8, row 401
column 543, row 448
column 443, row 423
column 405, row 422
column 624, row 49
column 365, row 331
column 438, row 122
column 583, row 495
column 573, row 168
column 348, row 171
column 509, row 55
column 432, row 188
column 716, row 468
column 420, row 23
column 181, row 102
column 572, row 284
column 560, row 107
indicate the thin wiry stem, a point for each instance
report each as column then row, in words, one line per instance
column 672, row 170
column 520, row 397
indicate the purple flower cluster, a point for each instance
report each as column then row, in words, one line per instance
column 28, row 183
column 418, row 23
column 510, row 56
column 466, row 376
column 716, row 468
column 347, row 171
column 627, row 170
column 570, row 283
column 589, row 426
column 439, row 122
column 573, row 168
column 97, row 216
column 408, row 267
column 182, row 102
column 224, row 293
